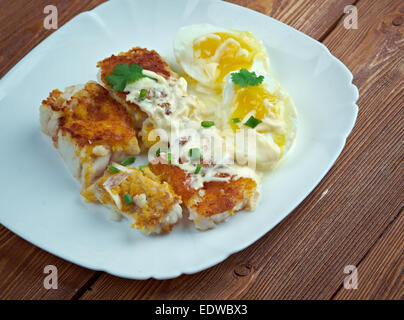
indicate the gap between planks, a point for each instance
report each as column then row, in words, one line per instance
column 334, row 25
column 379, row 238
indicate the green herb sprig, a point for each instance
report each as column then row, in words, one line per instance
column 128, row 161
column 127, row 198
column 252, row 122
column 124, row 74
column 207, row 124
column 198, row 168
column 246, row 78
column 113, row 169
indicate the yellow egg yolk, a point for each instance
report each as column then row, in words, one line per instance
column 229, row 57
column 279, row 139
column 251, row 98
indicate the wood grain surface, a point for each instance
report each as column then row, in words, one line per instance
column 380, row 274
column 353, row 217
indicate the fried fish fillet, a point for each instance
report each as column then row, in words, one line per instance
column 89, row 129
column 149, row 60
column 216, row 201
column 140, row 195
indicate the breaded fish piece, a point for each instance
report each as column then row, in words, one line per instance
column 149, row 60
column 215, row 202
column 89, row 129
column 140, row 195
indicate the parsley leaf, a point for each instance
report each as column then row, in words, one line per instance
column 124, row 73
column 246, row 78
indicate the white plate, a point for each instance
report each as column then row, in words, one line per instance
column 40, row 201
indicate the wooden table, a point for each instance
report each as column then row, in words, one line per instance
column 353, row 217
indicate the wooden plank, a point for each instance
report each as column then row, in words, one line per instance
column 381, row 273
column 26, row 20
column 315, row 18
column 21, row 25
column 21, row 30
column 21, row 263
column 305, row 255
column 22, row 271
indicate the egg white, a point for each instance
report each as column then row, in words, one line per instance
column 268, row 152
column 204, row 72
column 219, row 97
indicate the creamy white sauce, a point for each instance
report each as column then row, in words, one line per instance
column 280, row 120
column 171, row 108
column 112, row 182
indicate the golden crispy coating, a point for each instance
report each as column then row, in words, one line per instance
column 148, row 59
column 155, row 206
column 54, row 100
column 92, row 116
column 216, row 196
column 176, row 177
column 222, row 196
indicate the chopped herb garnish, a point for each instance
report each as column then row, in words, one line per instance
column 113, row 169
column 195, row 153
column 142, row 167
column 123, row 74
column 142, row 94
column 198, row 168
column 246, row 78
column 127, row 198
column 236, row 120
column 128, row 161
column 162, row 149
column 252, row 122
column 207, row 124
column 169, row 157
